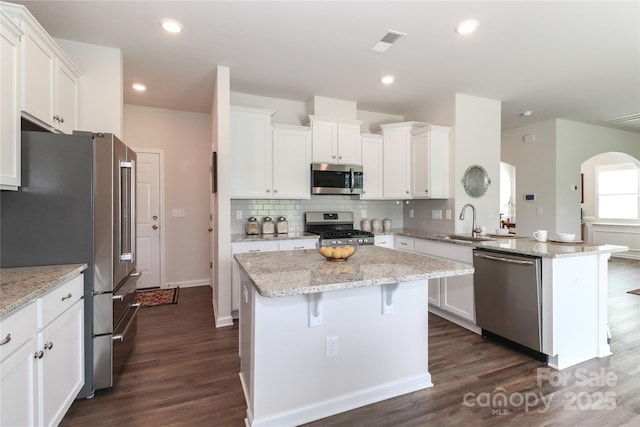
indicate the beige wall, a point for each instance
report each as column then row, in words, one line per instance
column 185, row 139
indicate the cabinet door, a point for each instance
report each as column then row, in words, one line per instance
column 457, row 296
column 66, row 99
column 396, row 144
column 9, row 104
column 324, row 138
column 62, row 373
column 372, row 165
column 291, row 164
column 37, row 78
column 18, row 387
column 420, row 165
column 437, row 161
column 349, row 144
column 251, row 153
column 404, row 243
column 434, row 292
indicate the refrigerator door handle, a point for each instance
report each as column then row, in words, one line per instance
column 128, row 253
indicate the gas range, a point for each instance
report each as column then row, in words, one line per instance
column 336, row 228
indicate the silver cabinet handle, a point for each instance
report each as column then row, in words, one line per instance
column 48, row 346
column 501, row 259
column 118, row 297
column 38, row 355
column 66, row 296
column 122, row 336
column 136, row 274
column 298, row 247
column 254, row 250
column 6, row 340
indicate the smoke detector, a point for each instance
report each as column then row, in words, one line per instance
column 387, row 41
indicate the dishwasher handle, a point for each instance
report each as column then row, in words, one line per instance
column 503, row 259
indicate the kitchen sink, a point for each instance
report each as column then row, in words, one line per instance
column 467, row 238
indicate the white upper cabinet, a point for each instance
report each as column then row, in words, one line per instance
column 372, row 159
column 49, row 79
column 10, row 59
column 430, row 163
column 335, row 140
column 251, row 153
column 268, row 161
column 397, row 158
column 291, row 162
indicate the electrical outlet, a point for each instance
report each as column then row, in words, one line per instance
column 411, row 213
column 448, row 213
column 363, row 213
column 539, row 211
column 436, row 214
column 238, row 214
column 330, row 347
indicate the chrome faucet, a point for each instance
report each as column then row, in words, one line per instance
column 475, row 230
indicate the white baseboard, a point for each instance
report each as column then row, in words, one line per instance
column 189, row 283
column 341, row 404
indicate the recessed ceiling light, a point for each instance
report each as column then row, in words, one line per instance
column 139, row 87
column 527, row 113
column 388, row 79
column 467, row 26
column 171, row 25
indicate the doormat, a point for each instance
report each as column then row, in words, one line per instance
column 154, row 297
column 636, row 292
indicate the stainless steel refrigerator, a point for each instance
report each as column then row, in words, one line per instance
column 77, row 205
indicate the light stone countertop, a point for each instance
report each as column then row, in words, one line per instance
column 21, row 285
column 286, row 273
column 522, row 245
column 272, row 237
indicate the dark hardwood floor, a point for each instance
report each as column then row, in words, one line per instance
column 184, row 372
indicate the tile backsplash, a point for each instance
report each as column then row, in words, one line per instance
column 424, row 212
column 294, row 210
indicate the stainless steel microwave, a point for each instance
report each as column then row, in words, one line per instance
column 327, row 178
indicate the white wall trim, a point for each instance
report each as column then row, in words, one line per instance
column 163, row 238
column 616, row 234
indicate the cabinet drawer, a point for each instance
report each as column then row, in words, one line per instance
column 294, row 245
column 249, row 247
column 17, row 329
column 60, row 299
column 404, row 243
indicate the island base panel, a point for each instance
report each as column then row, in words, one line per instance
column 288, row 380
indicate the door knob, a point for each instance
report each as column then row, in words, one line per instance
column 210, row 229
column 155, row 217
column 155, row 227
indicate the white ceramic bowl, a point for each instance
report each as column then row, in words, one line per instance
column 566, row 237
column 502, row 231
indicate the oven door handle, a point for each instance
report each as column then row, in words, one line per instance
column 122, row 336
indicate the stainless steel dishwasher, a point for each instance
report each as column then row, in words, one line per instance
column 508, row 296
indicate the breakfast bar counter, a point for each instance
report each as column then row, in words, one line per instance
column 319, row 337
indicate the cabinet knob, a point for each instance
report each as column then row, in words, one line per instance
column 339, row 157
column 48, row 346
column 38, row 355
column 333, row 157
column 268, row 191
column 61, row 120
column 56, row 118
column 426, row 191
column 275, row 191
column 407, row 191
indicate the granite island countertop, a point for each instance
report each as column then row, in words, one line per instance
column 521, row 245
column 286, row 273
column 21, row 285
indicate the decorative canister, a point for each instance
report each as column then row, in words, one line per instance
column 252, row 227
column 282, row 226
column 375, row 225
column 386, row 225
column 365, row 224
column 268, row 227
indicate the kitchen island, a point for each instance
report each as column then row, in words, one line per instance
column 318, row 338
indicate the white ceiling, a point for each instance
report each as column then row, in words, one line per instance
column 562, row 59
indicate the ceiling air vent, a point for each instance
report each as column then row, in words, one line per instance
column 385, row 42
column 625, row 119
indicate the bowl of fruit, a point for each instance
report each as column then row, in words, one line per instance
column 336, row 252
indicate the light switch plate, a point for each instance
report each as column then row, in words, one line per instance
column 177, row 212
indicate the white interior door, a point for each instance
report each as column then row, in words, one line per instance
column 149, row 221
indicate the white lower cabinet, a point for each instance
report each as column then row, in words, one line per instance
column 452, row 294
column 260, row 246
column 385, row 241
column 43, row 375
